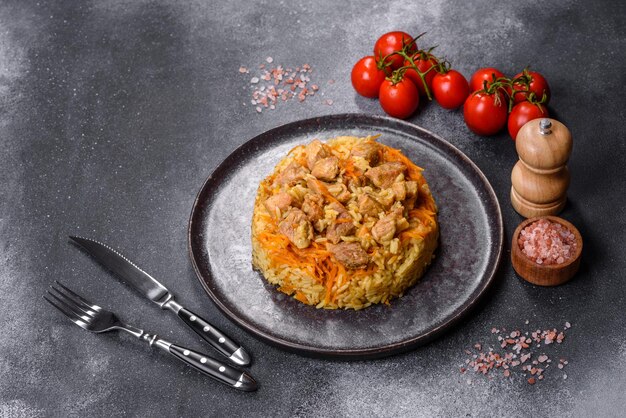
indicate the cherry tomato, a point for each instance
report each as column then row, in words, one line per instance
column 522, row 113
column 450, row 89
column 538, row 85
column 399, row 100
column 367, row 77
column 485, row 114
column 482, row 75
column 423, row 65
column 392, row 42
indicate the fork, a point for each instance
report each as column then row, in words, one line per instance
column 96, row 319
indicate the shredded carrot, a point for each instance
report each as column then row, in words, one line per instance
column 301, row 159
column 371, row 269
column 425, row 215
column 343, row 220
column 409, row 234
column 286, row 289
column 351, row 171
column 330, row 269
column 314, row 258
column 301, row 297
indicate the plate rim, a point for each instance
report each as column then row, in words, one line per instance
column 349, row 353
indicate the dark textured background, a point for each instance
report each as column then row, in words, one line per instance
column 112, row 114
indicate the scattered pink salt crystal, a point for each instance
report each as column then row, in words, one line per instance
column 277, row 82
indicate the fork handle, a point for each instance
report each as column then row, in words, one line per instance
column 221, row 372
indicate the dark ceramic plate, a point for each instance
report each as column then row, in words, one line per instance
column 466, row 262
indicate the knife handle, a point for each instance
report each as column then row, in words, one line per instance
column 215, row 337
column 221, row 372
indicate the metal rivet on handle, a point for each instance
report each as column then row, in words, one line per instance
column 544, row 127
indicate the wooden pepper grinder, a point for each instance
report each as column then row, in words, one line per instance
column 540, row 178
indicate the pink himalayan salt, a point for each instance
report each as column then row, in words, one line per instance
column 547, row 242
column 276, row 82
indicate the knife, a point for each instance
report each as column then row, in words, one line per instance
column 148, row 286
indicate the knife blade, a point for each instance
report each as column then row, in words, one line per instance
column 148, row 286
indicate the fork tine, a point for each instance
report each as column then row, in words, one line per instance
column 77, row 299
column 67, row 312
column 77, row 306
column 76, row 311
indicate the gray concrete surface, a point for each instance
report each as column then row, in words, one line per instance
column 112, row 114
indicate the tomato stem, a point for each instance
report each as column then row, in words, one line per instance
column 413, row 42
column 444, row 66
column 422, row 75
column 423, row 55
column 410, row 56
column 499, row 86
column 397, row 75
column 532, row 98
column 382, row 63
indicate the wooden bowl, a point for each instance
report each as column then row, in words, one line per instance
column 545, row 275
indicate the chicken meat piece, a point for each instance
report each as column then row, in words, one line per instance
column 316, row 150
column 409, row 203
column 297, row 228
column 404, row 190
column 278, row 204
column 399, row 190
column 350, row 254
column 292, row 174
column 385, row 229
column 411, row 188
column 384, row 175
column 397, row 211
column 369, row 206
column 368, row 150
column 313, row 207
column 326, row 169
column 342, row 226
column 316, row 186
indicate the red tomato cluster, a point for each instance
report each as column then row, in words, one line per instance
column 497, row 101
column 399, row 73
